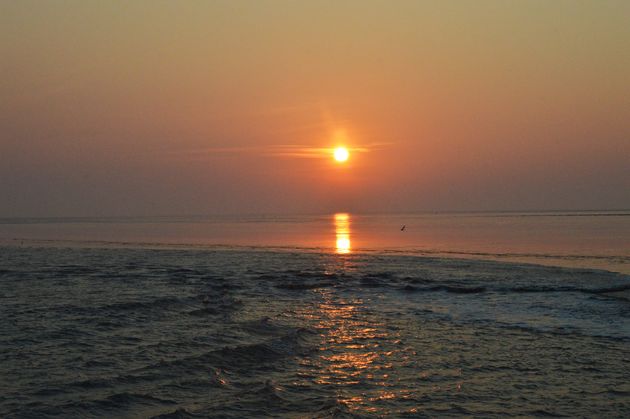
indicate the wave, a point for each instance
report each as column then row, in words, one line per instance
column 524, row 289
column 263, row 353
column 216, row 305
column 114, row 405
column 451, row 289
column 180, row 413
column 285, row 342
column 303, row 285
column 119, row 308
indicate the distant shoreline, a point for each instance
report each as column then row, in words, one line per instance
column 264, row 216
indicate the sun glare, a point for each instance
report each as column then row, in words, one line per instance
column 341, row 154
column 342, row 233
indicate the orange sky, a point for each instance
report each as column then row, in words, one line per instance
column 152, row 107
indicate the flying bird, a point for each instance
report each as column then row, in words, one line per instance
column 403, row 227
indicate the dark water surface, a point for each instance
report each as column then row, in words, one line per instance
column 126, row 332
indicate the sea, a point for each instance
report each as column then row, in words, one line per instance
column 511, row 314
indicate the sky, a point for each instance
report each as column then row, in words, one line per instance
column 220, row 107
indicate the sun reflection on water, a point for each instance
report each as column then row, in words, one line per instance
column 358, row 355
column 342, row 233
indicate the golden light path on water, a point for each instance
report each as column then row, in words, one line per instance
column 342, row 233
column 357, row 353
column 358, row 356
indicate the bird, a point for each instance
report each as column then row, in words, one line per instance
column 403, row 227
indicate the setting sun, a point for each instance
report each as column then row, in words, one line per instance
column 341, row 154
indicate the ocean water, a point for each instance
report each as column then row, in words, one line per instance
column 586, row 239
column 254, row 317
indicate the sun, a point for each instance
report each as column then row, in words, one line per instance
column 341, row 154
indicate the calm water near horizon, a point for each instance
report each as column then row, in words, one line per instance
column 586, row 239
column 333, row 316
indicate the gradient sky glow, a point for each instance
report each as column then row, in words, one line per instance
column 155, row 107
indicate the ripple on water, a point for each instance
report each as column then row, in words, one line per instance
column 184, row 334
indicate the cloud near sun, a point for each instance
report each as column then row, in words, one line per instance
column 286, row 151
column 312, row 152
